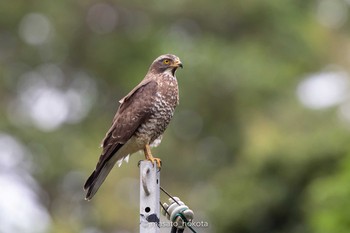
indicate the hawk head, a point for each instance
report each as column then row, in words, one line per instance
column 166, row 63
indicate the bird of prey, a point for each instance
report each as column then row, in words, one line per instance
column 142, row 117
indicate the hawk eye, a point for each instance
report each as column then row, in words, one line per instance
column 166, row 61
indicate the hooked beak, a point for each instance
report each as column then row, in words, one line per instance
column 177, row 63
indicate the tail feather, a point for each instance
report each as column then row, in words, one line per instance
column 89, row 180
column 104, row 166
column 96, row 179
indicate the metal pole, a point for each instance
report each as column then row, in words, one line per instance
column 149, row 197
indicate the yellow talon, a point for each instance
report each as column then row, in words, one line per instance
column 149, row 156
column 158, row 161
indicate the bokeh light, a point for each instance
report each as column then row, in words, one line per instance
column 44, row 101
column 332, row 13
column 324, row 90
column 21, row 209
column 102, row 18
column 35, row 29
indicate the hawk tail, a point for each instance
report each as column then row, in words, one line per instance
column 99, row 175
column 96, row 179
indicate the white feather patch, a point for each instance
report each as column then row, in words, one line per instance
column 127, row 158
column 156, row 142
column 119, row 162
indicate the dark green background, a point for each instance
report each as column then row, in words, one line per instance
column 242, row 150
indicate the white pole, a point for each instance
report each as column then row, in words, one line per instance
column 149, row 197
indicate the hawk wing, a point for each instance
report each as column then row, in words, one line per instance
column 134, row 109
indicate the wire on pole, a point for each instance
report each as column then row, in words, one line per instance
column 177, row 212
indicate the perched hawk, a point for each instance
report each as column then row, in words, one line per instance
column 141, row 119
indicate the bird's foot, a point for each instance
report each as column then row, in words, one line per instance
column 149, row 156
column 157, row 160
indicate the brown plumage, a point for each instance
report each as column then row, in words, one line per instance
column 141, row 119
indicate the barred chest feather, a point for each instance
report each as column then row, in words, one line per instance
column 164, row 103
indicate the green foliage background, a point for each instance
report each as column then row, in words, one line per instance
column 241, row 151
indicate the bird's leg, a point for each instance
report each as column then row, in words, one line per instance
column 149, row 156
